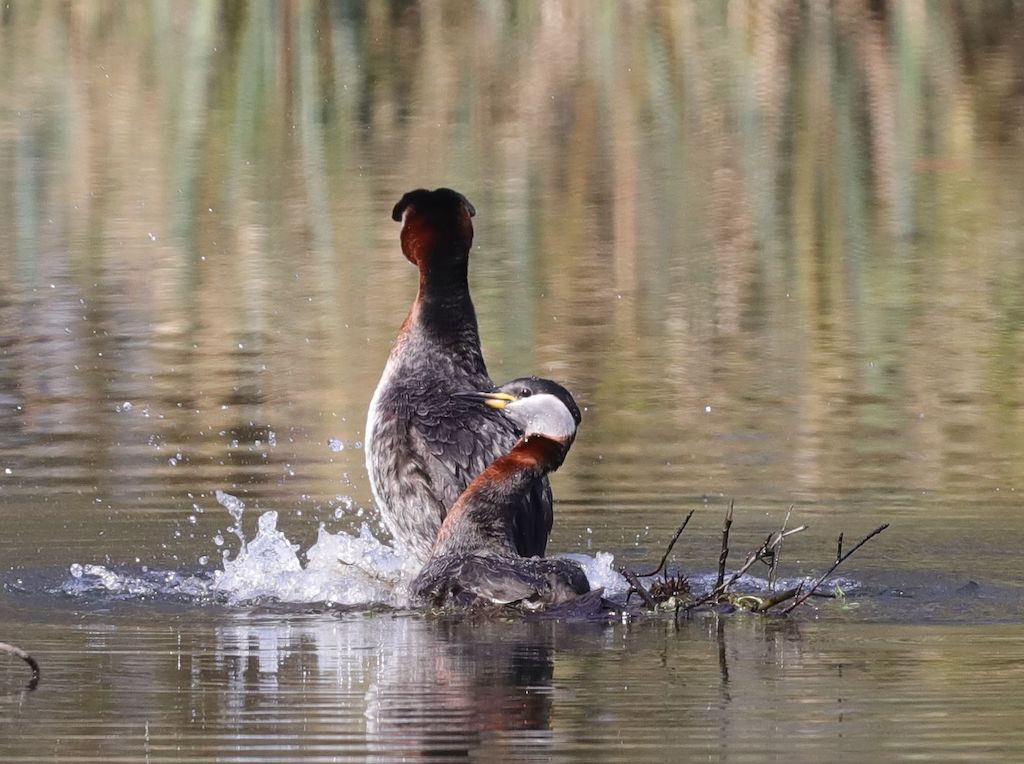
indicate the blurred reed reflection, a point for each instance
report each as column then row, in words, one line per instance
column 775, row 246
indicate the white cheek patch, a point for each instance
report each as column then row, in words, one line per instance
column 543, row 414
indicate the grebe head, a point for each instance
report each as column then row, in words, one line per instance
column 432, row 219
column 537, row 406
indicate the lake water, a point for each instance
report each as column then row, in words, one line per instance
column 775, row 249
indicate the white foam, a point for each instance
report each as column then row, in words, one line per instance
column 601, row 572
column 340, row 569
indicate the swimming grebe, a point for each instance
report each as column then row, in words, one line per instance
column 475, row 557
column 424, row 444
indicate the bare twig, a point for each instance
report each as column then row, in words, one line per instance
column 774, row 564
column 32, row 664
column 672, row 543
column 840, row 559
column 639, row 588
column 724, row 554
column 767, row 548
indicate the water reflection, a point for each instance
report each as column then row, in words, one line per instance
column 784, row 216
column 325, row 688
column 412, row 687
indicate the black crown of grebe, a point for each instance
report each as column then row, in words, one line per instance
column 424, row 444
column 475, row 557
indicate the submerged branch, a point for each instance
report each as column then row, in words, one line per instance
column 638, row 587
column 32, row 663
column 758, row 604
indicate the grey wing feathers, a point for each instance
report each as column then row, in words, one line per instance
column 460, row 447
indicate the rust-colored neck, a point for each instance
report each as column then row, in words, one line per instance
column 440, row 250
column 492, row 496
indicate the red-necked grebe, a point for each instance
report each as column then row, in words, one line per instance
column 475, row 557
column 423, row 444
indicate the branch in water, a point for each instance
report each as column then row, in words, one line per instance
column 840, row 559
column 638, row 587
column 672, row 543
column 724, row 554
column 765, row 551
column 32, row 664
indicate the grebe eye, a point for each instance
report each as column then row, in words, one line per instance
column 525, row 392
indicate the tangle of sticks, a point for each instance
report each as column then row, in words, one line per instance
column 675, row 591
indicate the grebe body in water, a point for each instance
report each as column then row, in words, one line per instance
column 423, row 444
column 475, row 557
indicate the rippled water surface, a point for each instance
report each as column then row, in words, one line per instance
column 776, row 250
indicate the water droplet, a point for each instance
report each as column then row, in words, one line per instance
column 76, row 570
column 336, row 445
column 204, row 560
column 152, row 236
column 218, row 539
column 123, row 407
column 232, row 504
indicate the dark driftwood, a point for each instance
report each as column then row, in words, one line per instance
column 32, row 663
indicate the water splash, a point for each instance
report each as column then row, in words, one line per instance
column 236, row 508
column 601, row 572
column 339, row 569
column 99, row 581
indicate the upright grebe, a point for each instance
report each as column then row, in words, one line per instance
column 424, row 444
column 475, row 557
